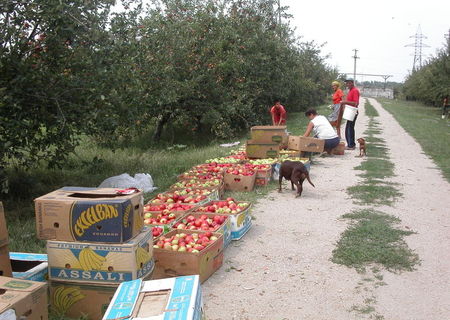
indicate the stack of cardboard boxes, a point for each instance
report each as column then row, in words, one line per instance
column 266, row 141
column 19, row 299
column 96, row 240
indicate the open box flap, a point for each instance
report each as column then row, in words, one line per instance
column 24, row 256
column 124, row 301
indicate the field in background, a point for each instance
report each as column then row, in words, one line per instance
column 426, row 126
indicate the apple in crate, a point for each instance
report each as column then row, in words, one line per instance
column 183, row 242
column 203, row 223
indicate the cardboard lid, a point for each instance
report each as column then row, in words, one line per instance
column 16, row 285
column 81, row 193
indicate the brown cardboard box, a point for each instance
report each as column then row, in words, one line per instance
column 311, row 144
column 101, row 263
column 339, row 150
column 75, row 300
column 3, row 228
column 173, row 263
column 262, row 150
column 5, row 263
column 27, row 298
column 269, row 134
column 89, row 214
column 239, row 182
column 294, row 143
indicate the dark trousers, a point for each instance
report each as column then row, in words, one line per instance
column 350, row 133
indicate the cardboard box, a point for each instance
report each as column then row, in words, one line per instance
column 339, row 149
column 75, row 300
column 261, row 182
column 269, row 134
column 235, row 182
column 240, row 223
column 225, row 228
column 3, row 229
column 101, row 263
column 172, row 298
column 89, row 214
column 262, row 150
column 308, row 144
column 294, row 143
column 29, row 266
column 28, row 299
column 173, row 263
column 5, row 263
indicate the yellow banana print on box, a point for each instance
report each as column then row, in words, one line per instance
column 90, row 260
column 65, row 297
column 142, row 257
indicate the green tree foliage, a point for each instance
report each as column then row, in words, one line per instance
column 431, row 83
column 73, row 68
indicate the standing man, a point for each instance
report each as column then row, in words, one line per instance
column 352, row 99
column 278, row 114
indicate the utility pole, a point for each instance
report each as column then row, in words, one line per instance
column 418, row 45
column 354, row 64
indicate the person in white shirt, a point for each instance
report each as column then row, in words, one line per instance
column 322, row 129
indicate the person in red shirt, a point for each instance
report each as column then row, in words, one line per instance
column 278, row 114
column 337, row 98
column 352, row 99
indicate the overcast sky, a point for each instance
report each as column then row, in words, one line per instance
column 378, row 29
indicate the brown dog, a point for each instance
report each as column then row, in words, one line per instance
column 362, row 147
column 295, row 172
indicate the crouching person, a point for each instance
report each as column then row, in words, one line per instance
column 322, row 129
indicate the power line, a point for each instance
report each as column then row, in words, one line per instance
column 418, row 45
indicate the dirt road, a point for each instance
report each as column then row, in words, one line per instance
column 282, row 270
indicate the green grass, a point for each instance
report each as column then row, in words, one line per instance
column 370, row 110
column 297, row 122
column 373, row 238
column 425, row 125
column 375, row 193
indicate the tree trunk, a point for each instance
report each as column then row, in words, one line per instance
column 160, row 126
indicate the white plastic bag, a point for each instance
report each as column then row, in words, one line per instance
column 142, row 181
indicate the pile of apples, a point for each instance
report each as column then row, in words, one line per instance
column 262, row 166
column 167, row 207
column 202, row 222
column 223, row 160
column 207, row 168
column 262, row 161
column 201, row 176
column 194, row 183
column 157, row 231
column 182, row 242
column 242, row 170
column 303, row 160
column 228, row 206
column 159, row 219
column 180, row 197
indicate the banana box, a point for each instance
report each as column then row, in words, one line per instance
column 165, row 299
column 174, row 264
column 23, row 299
column 240, row 223
column 89, row 214
column 29, row 266
column 77, row 300
column 101, row 263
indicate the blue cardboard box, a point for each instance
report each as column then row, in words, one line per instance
column 166, row 299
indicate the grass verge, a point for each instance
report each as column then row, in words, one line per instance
column 426, row 126
column 373, row 239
